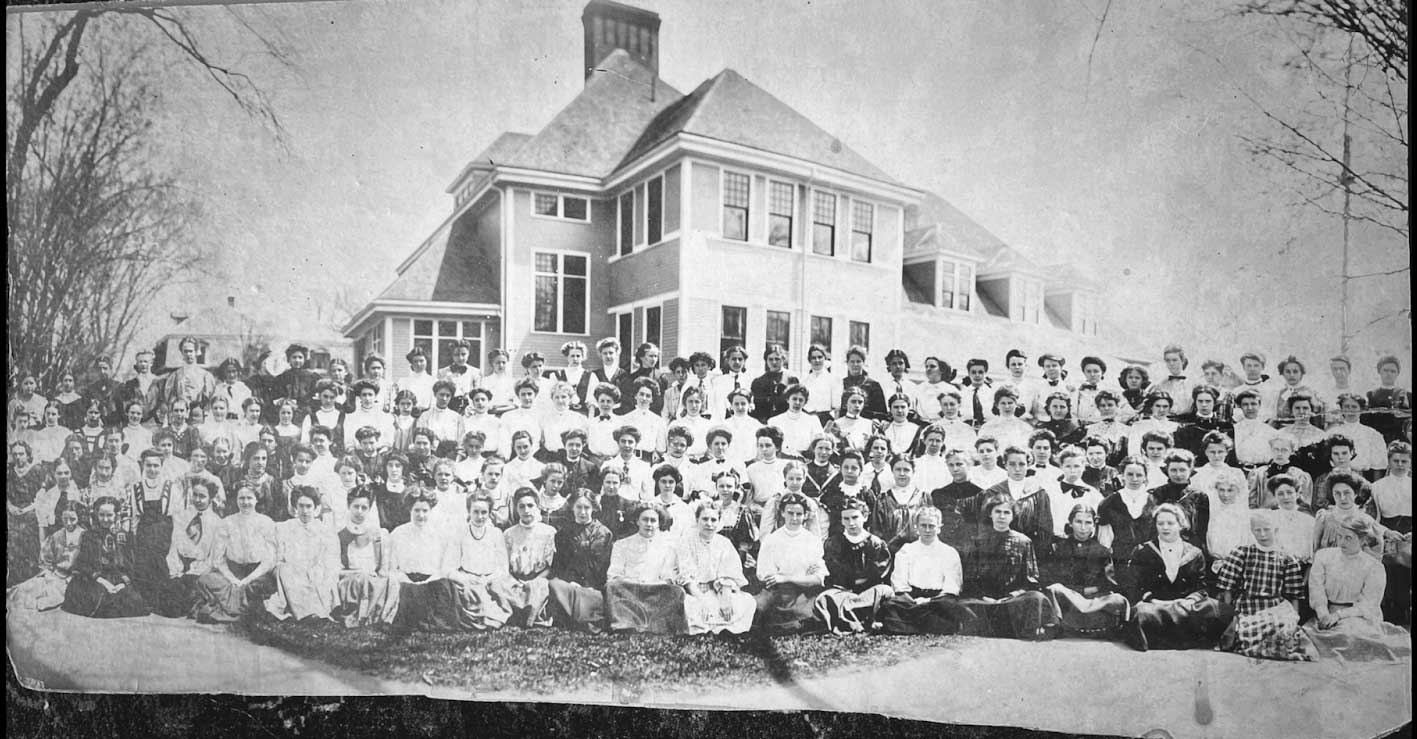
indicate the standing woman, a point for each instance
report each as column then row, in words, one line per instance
column 939, row 378
column 69, row 402
column 1002, row 585
column 1135, row 383
column 1084, row 599
column 23, row 482
column 52, row 499
column 189, row 382
column 577, row 581
column 49, row 440
column 1172, row 607
column 263, row 485
column 1155, row 416
column 27, row 398
column 856, row 377
column 647, row 357
column 329, row 412
column 575, row 371
column 641, row 589
column 102, row 581
column 853, row 429
column 499, row 382
column 1124, row 519
column 146, row 516
column 712, row 576
column 243, row 558
column 822, row 386
column 231, row 388
column 1006, row 426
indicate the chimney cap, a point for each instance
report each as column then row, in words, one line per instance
column 628, row 12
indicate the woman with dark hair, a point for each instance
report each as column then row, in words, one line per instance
column 577, row 578
column 102, row 581
column 1084, row 599
column 270, row 497
column 674, row 514
column 391, row 495
column 641, row 590
column 307, row 562
column 329, row 412
column 531, row 548
column 196, row 532
column 366, row 594
column 240, row 578
column 1134, row 381
column 24, row 481
column 790, row 567
column 476, row 563
column 45, row 591
column 1002, row 586
column 712, row 576
column 858, row 563
column 1172, row 606
column 1346, row 587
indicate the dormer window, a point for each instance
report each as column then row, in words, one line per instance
column 565, row 207
column 956, row 285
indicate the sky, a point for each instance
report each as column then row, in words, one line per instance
column 1118, row 150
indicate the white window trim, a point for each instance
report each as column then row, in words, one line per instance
column 768, row 214
column 644, row 330
column 723, row 173
column 955, row 280
column 561, row 254
column 560, row 207
column 434, row 361
column 785, row 344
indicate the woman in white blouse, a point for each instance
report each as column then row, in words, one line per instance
column 641, row 591
column 240, row 578
column 712, row 576
column 791, row 569
column 823, row 387
column 307, row 562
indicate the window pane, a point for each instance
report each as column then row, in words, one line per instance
column 947, row 297
column 627, row 223
column 780, row 230
column 471, row 329
column 447, row 329
column 823, row 238
column 422, row 328
column 625, row 328
column 735, row 223
column 860, row 333
column 575, row 208
column 780, row 199
column 475, row 357
column 546, row 204
column 822, row 332
column 861, row 216
column 860, row 246
column 654, row 210
column 735, row 189
column 824, row 208
column 573, row 321
column 427, row 345
column 653, row 317
column 546, row 262
column 779, row 329
column 734, row 323
column 545, row 318
column 445, row 353
column 575, row 265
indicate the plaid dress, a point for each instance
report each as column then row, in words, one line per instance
column 1263, row 582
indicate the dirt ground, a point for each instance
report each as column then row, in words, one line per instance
column 1066, row 685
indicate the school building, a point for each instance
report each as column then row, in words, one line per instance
column 701, row 220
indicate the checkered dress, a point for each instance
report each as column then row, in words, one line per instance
column 1265, row 625
column 1000, row 563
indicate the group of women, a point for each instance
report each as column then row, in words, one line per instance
column 694, row 501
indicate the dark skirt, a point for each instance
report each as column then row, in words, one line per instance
column 443, row 605
column 152, row 540
column 175, row 597
column 1077, row 614
column 575, row 606
column 84, row 597
column 21, row 548
column 1028, row 615
column 1188, row 623
column 844, row 612
column 219, row 600
column 941, row 614
column 785, row 607
column 655, row 608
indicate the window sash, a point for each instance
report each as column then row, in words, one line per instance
column 860, row 334
column 654, row 210
column 863, row 216
column 824, row 224
column 627, row 223
column 560, row 292
column 822, row 332
column 778, row 329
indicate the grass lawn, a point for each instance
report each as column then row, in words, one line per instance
column 546, row 660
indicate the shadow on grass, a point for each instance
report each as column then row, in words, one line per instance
column 550, row 661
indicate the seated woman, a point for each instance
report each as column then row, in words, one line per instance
column 577, row 580
column 475, row 560
column 1002, row 584
column 1346, row 488
column 102, row 582
column 366, row 594
column 307, row 562
column 45, row 591
column 926, row 581
column 416, row 554
column 1084, row 600
column 675, row 516
column 857, row 563
column 1171, row 607
column 735, row 519
column 1264, row 585
column 1294, row 529
column 712, row 577
column 893, row 508
column 640, row 589
column 239, row 580
column 553, row 498
column 196, row 532
column 449, row 514
column 1229, row 523
column 790, row 567
column 1346, row 588
column 531, row 547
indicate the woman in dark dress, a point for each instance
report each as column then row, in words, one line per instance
column 1001, row 579
column 148, row 518
column 1084, row 599
column 23, row 482
column 577, row 582
column 1124, row 518
column 102, row 582
column 858, row 563
column 1172, row 608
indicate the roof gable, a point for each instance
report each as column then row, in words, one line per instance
column 502, row 151
column 591, row 135
column 460, row 264
column 729, row 108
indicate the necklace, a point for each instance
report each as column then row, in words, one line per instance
column 473, row 533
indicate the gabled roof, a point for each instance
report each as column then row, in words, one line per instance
column 936, row 225
column 593, row 133
column 502, row 151
column 729, row 108
column 1066, row 276
column 465, row 273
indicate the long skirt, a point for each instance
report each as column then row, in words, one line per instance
column 42, row 592
column 845, row 612
column 152, row 539
column 528, row 602
column 655, row 608
column 84, row 597
column 1356, row 639
column 575, row 606
column 785, row 607
column 1028, row 615
column 221, row 601
column 175, row 597
column 714, row 613
column 1272, row 633
column 449, row 605
column 366, row 598
column 1076, row 614
column 1187, row 623
column 940, row 613
column 21, row 548
column 302, row 593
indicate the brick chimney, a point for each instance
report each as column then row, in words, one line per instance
column 610, row 25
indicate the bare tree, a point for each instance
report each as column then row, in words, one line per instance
column 96, row 227
column 1346, row 149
